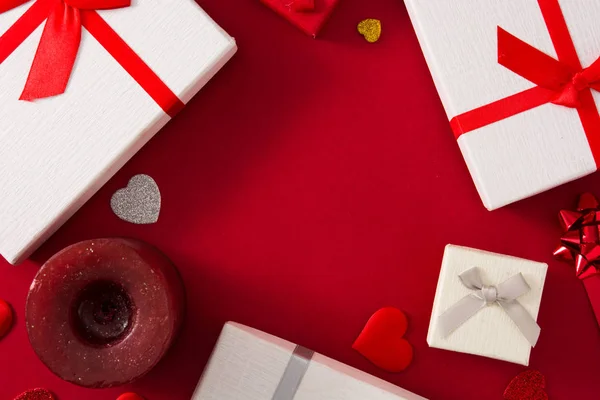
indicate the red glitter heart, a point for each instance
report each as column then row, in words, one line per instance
column 6, row 318
column 36, row 394
column 528, row 385
column 381, row 340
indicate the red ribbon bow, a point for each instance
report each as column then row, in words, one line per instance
column 564, row 81
column 57, row 51
column 580, row 242
column 59, row 45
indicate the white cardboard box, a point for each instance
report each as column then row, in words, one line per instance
column 57, row 152
column 532, row 151
column 490, row 332
column 248, row 364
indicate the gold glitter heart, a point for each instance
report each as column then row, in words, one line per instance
column 370, row 28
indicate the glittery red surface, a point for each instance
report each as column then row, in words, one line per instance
column 36, row 394
column 528, row 385
column 148, row 278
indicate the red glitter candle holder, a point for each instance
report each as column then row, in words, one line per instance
column 102, row 313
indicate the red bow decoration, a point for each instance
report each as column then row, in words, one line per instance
column 581, row 241
column 59, row 45
column 564, row 81
column 580, row 244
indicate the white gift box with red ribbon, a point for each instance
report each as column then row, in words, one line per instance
column 518, row 83
column 134, row 69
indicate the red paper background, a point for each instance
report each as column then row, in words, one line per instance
column 310, row 183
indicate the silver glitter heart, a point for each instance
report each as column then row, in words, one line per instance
column 139, row 202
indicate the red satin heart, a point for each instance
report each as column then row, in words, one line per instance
column 381, row 340
column 6, row 318
column 528, row 385
column 130, row 396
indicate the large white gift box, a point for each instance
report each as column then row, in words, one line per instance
column 525, row 122
column 248, row 364
column 489, row 330
column 58, row 151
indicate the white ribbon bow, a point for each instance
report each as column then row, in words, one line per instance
column 505, row 294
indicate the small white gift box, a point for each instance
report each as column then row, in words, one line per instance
column 491, row 328
column 248, row 364
column 511, row 77
column 135, row 67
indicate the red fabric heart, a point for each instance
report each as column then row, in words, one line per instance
column 381, row 340
column 130, row 396
column 528, row 385
column 6, row 318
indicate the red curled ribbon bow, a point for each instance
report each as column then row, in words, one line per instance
column 580, row 245
column 564, row 81
column 59, row 45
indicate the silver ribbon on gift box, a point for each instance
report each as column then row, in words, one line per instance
column 293, row 374
column 504, row 294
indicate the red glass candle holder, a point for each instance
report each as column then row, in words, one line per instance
column 102, row 313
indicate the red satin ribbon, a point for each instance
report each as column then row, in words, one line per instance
column 564, row 81
column 59, row 45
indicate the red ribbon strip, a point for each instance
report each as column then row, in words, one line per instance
column 59, row 45
column 564, row 81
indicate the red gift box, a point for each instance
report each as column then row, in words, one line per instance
column 300, row 13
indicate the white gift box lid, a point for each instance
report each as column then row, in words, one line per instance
column 248, row 364
column 57, row 152
column 490, row 332
column 532, row 151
